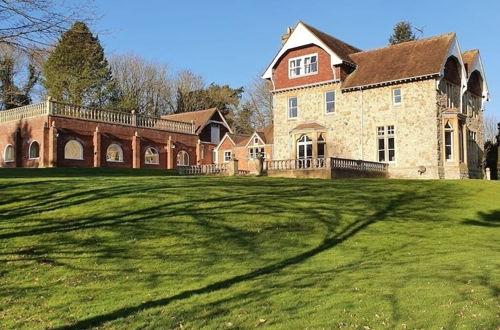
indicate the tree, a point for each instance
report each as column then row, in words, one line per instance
column 14, row 90
column 243, row 121
column 140, row 85
column 490, row 128
column 260, row 100
column 76, row 70
column 403, row 31
column 24, row 23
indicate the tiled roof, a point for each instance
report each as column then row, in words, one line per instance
column 199, row 118
column 266, row 134
column 308, row 126
column 342, row 49
column 401, row 61
column 239, row 140
column 469, row 58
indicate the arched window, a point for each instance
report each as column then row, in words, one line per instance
column 151, row 156
column 182, row 158
column 448, row 142
column 114, row 153
column 304, row 147
column 8, row 154
column 73, row 150
column 34, row 151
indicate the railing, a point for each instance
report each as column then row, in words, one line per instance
column 360, row 165
column 203, row 169
column 294, row 164
column 28, row 111
column 66, row 110
column 324, row 163
column 117, row 117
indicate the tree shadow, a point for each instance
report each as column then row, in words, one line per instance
column 490, row 219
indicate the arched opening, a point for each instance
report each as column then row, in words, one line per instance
column 73, row 150
column 182, row 158
column 151, row 156
column 8, row 154
column 452, row 80
column 34, row 150
column 114, row 153
column 304, row 147
column 475, row 83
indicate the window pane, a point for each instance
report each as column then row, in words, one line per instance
column 390, row 142
column 309, row 150
column 381, row 156
column 301, row 151
column 381, row 144
column 321, row 150
column 329, row 96
column 391, row 155
column 380, row 130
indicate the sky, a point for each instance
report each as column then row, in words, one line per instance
column 232, row 42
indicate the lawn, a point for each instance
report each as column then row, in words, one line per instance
column 147, row 249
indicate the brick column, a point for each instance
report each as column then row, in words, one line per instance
column 97, row 147
column 170, row 153
column 43, row 145
column 136, row 151
column 52, row 159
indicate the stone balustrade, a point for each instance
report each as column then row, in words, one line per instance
column 59, row 109
column 324, row 163
column 203, row 169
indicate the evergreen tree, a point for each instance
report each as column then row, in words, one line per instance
column 76, row 70
column 402, row 32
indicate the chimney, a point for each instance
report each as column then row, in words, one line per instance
column 285, row 37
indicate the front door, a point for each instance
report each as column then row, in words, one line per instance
column 304, row 151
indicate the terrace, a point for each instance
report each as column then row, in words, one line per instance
column 66, row 110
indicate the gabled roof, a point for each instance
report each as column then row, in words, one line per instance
column 469, row 57
column 200, row 118
column 405, row 60
column 238, row 140
column 339, row 47
column 304, row 34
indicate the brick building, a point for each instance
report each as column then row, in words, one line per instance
column 417, row 106
column 51, row 133
column 244, row 147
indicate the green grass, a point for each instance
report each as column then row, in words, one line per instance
column 142, row 249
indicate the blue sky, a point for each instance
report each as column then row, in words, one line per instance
column 231, row 42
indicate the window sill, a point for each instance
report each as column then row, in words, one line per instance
column 9, row 161
column 330, row 113
column 34, row 158
column 294, row 118
column 73, row 158
column 114, row 161
column 303, row 75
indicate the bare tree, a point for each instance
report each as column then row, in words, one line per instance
column 259, row 100
column 188, row 92
column 141, row 85
column 26, row 24
column 19, row 76
column 491, row 127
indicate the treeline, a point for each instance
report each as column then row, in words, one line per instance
column 76, row 70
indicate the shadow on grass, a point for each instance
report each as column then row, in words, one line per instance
column 81, row 172
column 329, row 242
column 491, row 219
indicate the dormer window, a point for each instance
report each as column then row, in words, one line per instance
column 303, row 66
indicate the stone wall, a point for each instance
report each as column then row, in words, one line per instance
column 351, row 131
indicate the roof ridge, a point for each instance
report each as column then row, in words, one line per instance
column 407, row 42
column 342, row 41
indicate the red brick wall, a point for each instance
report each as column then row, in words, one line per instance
column 20, row 134
column 83, row 131
column 325, row 73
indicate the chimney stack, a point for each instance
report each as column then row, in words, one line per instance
column 285, row 37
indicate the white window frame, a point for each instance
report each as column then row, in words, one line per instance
column 296, row 107
column 5, row 153
column 154, row 153
column 386, row 133
column 81, row 149
column 253, row 152
column 29, row 150
column 120, row 159
column 302, row 66
column 394, row 102
column 226, row 158
column 333, row 102
column 452, row 136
